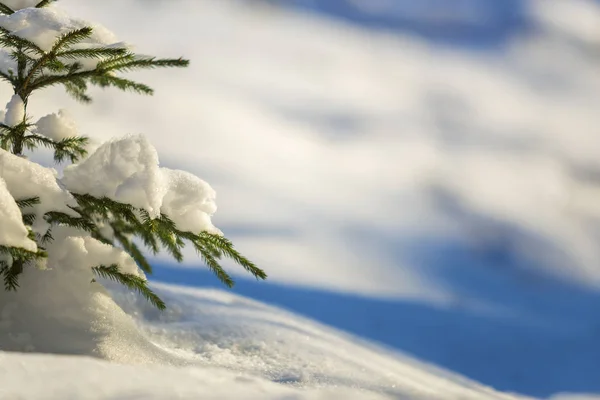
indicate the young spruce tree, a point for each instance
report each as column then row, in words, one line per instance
column 66, row 63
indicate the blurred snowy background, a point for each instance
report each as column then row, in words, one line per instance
column 422, row 174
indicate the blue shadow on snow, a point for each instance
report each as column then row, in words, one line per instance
column 472, row 23
column 542, row 339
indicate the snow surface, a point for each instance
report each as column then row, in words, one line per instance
column 209, row 343
column 19, row 4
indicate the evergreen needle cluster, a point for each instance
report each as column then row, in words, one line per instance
column 130, row 227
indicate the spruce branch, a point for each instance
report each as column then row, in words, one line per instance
column 11, row 274
column 7, row 39
column 60, row 218
column 8, row 78
column 20, row 258
column 226, row 247
column 132, row 62
column 71, row 147
column 39, row 69
column 28, row 202
column 44, row 3
column 77, row 88
column 132, row 249
column 70, row 38
column 93, row 52
column 28, row 219
column 108, row 80
column 131, row 281
column 4, row 9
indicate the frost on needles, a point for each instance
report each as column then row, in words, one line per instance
column 112, row 203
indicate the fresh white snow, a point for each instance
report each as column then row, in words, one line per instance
column 15, row 111
column 43, row 26
column 209, row 343
column 13, row 232
column 57, row 126
column 26, row 179
column 127, row 170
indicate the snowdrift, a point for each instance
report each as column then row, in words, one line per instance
column 209, row 344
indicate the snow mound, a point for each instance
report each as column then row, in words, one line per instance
column 207, row 342
column 101, row 380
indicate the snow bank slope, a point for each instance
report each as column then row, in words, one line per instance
column 61, row 377
column 210, row 344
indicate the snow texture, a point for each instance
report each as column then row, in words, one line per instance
column 96, row 380
column 43, row 26
column 7, row 64
column 189, row 201
column 57, row 126
column 13, row 232
column 208, row 343
column 124, row 170
column 15, row 111
column 73, row 249
column 25, row 180
column 127, row 170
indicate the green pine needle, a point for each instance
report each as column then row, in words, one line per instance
column 133, row 282
column 44, row 3
column 4, row 9
column 38, row 69
column 28, row 202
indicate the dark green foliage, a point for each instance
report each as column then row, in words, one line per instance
column 129, row 223
column 133, row 282
column 132, row 229
column 4, row 9
column 19, row 258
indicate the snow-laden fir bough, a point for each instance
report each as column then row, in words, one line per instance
column 108, row 203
